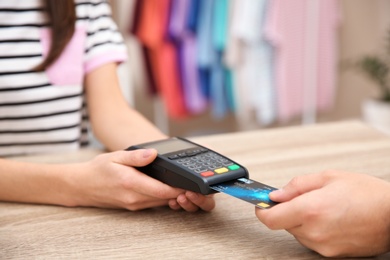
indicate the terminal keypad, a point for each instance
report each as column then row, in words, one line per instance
column 204, row 162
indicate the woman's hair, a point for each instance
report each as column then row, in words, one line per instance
column 61, row 16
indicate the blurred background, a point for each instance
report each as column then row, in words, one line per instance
column 212, row 66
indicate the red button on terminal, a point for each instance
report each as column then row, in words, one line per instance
column 207, row 174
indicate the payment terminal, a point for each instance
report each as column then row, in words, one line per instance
column 184, row 164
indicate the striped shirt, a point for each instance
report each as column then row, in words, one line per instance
column 43, row 112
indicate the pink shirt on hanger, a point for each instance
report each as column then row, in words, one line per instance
column 286, row 28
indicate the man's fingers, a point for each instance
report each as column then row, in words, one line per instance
column 285, row 215
column 290, row 213
column 298, row 186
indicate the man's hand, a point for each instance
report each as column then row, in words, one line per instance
column 334, row 213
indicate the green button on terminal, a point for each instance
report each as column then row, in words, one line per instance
column 234, row 167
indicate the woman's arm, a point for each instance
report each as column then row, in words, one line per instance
column 118, row 126
column 113, row 121
column 108, row 181
column 35, row 183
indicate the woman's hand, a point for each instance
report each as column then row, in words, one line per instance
column 334, row 213
column 110, row 181
column 191, row 201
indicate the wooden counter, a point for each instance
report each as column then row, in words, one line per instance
column 231, row 231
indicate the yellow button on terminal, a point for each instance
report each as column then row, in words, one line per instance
column 221, row 170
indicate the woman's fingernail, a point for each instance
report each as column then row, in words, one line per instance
column 147, row 153
column 192, row 195
column 182, row 199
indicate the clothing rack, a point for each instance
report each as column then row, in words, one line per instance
column 310, row 92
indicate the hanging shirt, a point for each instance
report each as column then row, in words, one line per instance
column 219, row 92
column 206, row 52
column 185, row 40
column 141, row 67
column 251, row 57
column 152, row 32
column 287, row 28
column 192, row 16
column 43, row 111
column 211, row 38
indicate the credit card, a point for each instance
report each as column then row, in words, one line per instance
column 248, row 190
